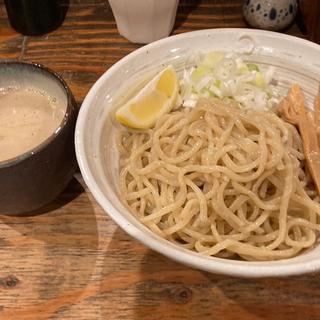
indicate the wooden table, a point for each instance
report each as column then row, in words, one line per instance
column 73, row 261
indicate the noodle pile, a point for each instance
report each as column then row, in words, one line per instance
column 221, row 181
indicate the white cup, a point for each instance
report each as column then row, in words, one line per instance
column 144, row 21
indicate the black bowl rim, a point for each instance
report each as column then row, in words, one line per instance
column 68, row 113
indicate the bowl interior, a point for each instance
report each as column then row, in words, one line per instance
column 296, row 61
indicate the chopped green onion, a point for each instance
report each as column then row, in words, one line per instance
column 228, row 77
column 217, row 83
column 253, row 67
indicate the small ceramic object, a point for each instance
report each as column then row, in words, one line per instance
column 270, row 14
column 34, row 178
column 144, row 21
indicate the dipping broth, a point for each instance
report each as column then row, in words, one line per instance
column 27, row 118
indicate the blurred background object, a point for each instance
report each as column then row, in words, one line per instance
column 144, row 21
column 270, row 14
column 309, row 19
column 35, row 17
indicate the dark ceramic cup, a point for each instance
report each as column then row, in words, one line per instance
column 35, row 178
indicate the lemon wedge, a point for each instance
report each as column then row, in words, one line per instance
column 156, row 98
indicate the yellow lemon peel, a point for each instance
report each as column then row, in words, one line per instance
column 156, row 98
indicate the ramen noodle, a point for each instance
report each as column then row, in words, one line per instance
column 221, row 181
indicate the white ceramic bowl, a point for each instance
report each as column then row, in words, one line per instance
column 296, row 60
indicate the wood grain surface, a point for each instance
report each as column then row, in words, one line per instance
column 71, row 261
